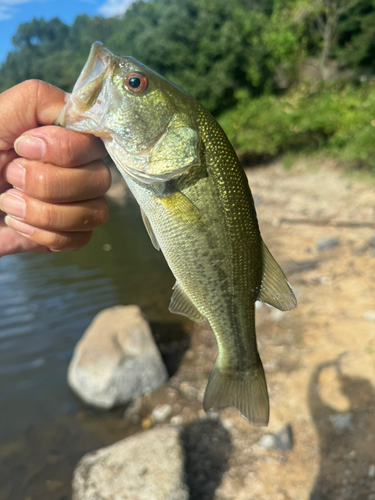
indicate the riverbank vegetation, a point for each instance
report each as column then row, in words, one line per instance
column 282, row 76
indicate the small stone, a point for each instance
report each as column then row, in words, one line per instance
column 267, row 441
column 371, row 470
column 369, row 315
column 371, row 241
column 107, row 247
column 161, row 412
column 146, row 423
column 342, row 421
column 326, row 243
column 227, row 424
column 133, row 409
column 188, row 391
column 177, row 420
column 284, row 438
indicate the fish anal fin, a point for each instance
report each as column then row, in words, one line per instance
column 181, row 304
column 245, row 391
column 150, row 231
column 275, row 289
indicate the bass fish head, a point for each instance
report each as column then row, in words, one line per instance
column 146, row 122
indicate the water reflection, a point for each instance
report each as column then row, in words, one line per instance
column 47, row 301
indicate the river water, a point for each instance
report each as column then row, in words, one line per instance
column 47, row 301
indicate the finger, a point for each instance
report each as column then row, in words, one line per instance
column 60, row 146
column 56, row 241
column 53, row 184
column 27, row 106
column 78, row 216
column 5, row 158
column 12, row 242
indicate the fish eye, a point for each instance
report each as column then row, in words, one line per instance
column 136, row 82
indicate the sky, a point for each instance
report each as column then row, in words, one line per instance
column 15, row 12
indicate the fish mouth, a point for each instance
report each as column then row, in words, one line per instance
column 88, row 86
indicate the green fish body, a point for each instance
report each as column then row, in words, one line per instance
column 197, row 208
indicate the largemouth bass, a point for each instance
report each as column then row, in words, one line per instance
column 197, row 207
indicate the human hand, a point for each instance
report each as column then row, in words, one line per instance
column 57, row 175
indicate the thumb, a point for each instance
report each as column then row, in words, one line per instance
column 26, row 106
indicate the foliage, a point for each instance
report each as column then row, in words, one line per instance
column 243, row 59
column 208, row 47
column 338, row 118
column 54, row 51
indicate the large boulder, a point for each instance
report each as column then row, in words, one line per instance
column 164, row 463
column 116, row 359
column 147, row 466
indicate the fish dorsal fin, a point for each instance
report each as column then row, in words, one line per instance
column 181, row 304
column 150, row 231
column 275, row 289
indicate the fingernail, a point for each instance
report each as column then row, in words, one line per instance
column 13, row 205
column 15, row 174
column 20, row 227
column 30, row 147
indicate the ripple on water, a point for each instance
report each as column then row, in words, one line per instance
column 47, row 301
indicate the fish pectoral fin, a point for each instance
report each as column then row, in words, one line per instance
column 183, row 210
column 149, row 229
column 275, row 289
column 181, row 304
column 245, row 391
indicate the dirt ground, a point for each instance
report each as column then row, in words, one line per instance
column 319, row 358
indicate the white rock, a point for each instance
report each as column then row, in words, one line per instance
column 161, row 412
column 116, row 359
column 267, row 442
column 146, row 466
column 177, row 420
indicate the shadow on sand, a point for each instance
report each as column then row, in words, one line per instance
column 346, row 439
column 207, row 446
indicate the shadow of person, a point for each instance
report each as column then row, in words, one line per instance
column 207, row 446
column 346, row 439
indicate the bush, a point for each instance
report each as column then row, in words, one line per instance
column 338, row 118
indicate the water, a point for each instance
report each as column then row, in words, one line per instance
column 47, row 301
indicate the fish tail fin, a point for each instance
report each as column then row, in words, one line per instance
column 246, row 392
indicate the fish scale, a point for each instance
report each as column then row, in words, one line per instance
column 197, row 208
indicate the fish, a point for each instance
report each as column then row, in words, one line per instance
column 197, row 207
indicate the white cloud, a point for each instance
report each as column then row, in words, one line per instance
column 112, row 8
column 7, row 10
